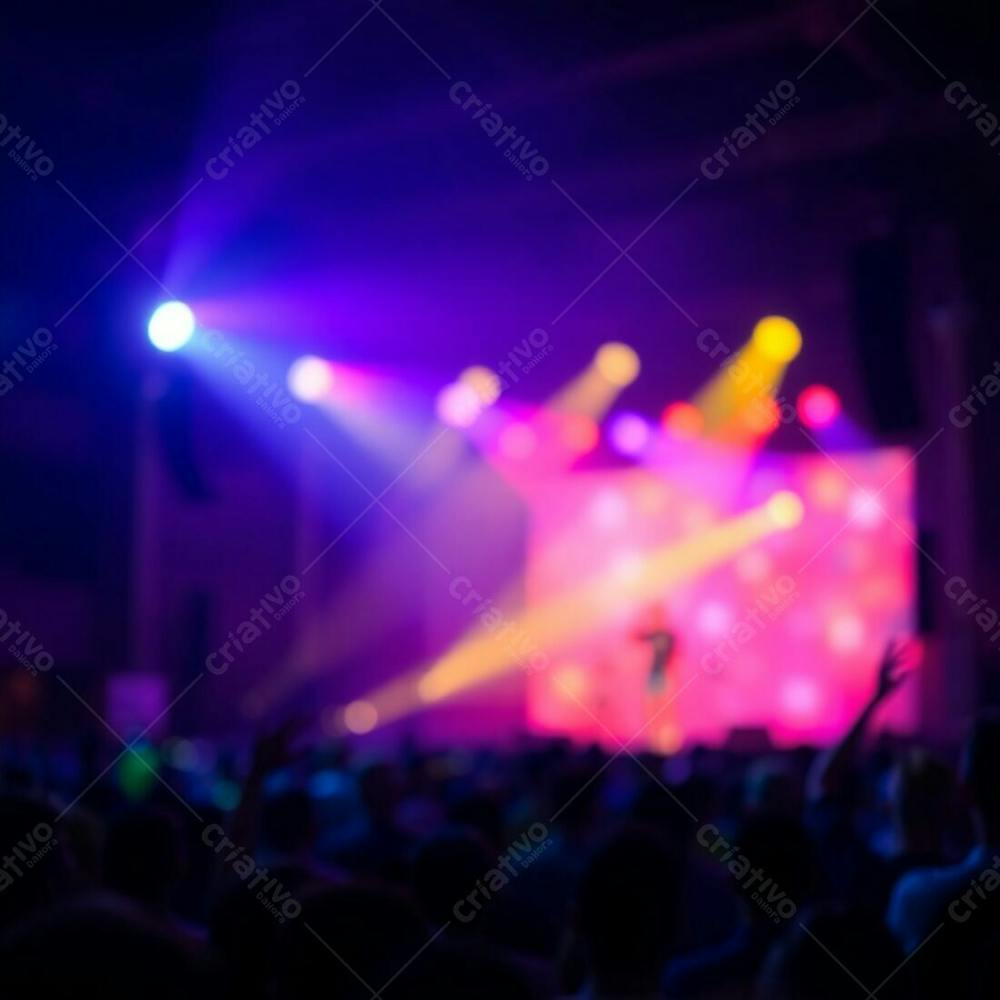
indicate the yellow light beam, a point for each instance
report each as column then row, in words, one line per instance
column 736, row 400
column 485, row 656
column 614, row 366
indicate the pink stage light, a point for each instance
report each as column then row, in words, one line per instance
column 683, row 421
column 458, row 405
column 800, row 697
column 753, row 566
column 818, row 406
column 517, row 441
column 578, row 432
column 771, row 645
column 629, row 434
column 846, row 633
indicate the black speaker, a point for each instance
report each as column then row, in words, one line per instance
column 880, row 278
column 928, row 582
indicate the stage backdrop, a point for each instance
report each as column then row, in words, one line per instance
column 784, row 634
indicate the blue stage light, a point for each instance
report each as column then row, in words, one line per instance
column 171, row 326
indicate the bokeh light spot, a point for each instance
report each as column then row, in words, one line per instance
column 617, row 363
column 818, row 406
column 778, row 338
column 360, row 717
column 310, row 378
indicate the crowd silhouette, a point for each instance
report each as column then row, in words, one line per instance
column 544, row 870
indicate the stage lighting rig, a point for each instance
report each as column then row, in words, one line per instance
column 171, row 326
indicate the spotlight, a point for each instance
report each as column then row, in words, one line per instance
column 818, row 406
column 458, row 405
column 310, row 378
column 617, row 363
column 785, row 509
column 629, row 434
column 360, row 717
column 483, row 381
column 777, row 338
column 171, row 326
column 683, row 421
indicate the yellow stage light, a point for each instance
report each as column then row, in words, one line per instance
column 763, row 415
column 785, row 509
column 479, row 657
column 778, row 338
column 739, row 401
column 484, row 382
column 617, row 363
column 594, row 390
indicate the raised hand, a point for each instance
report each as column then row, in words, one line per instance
column 274, row 749
column 896, row 665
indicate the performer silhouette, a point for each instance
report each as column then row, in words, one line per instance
column 664, row 644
